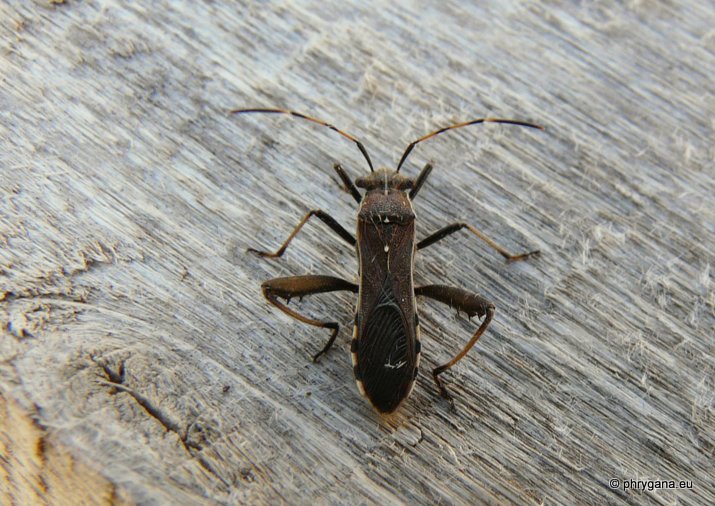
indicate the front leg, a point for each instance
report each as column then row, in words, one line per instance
column 462, row 300
column 300, row 286
column 348, row 184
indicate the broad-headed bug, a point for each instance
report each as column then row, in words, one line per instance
column 386, row 337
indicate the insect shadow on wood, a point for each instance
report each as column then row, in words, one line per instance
column 385, row 345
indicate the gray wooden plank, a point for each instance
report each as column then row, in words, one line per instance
column 129, row 196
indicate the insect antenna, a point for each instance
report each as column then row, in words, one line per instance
column 460, row 125
column 314, row 120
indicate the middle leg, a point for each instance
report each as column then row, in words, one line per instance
column 324, row 217
column 455, row 227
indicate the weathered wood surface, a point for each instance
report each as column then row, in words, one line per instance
column 136, row 344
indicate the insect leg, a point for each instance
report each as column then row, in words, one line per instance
column 300, row 286
column 324, row 217
column 462, row 300
column 421, row 178
column 454, row 227
column 349, row 185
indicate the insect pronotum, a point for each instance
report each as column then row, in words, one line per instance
column 385, row 345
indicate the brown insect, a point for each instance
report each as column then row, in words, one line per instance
column 386, row 337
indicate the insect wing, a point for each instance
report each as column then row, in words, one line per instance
column 387, row 354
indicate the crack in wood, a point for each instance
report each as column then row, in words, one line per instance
column 116, row 380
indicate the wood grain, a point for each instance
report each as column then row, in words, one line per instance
column 134, row 336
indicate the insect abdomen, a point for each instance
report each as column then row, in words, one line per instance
column 385, row 356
